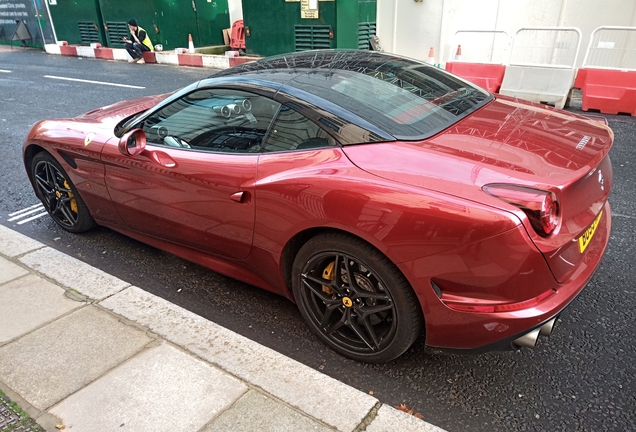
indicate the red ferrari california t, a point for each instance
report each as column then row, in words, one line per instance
column 384, row 196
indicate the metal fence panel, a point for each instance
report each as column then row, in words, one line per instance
column 612, row 47
column 556, row 47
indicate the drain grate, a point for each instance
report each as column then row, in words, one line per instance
column 12, row 420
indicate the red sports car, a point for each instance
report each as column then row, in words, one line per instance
column 384, row 196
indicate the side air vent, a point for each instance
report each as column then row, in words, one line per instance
column 312, row 37
column 365, row 32
column 116, row 30
column 89, row 32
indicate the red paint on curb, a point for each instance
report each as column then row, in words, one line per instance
column 149, row 57
column 190, row 60
column 240, row 60
column 67, row 50
column 104, row 53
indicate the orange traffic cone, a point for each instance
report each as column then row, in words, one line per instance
column 190, row 44
column 431, row 56
column 458, row 54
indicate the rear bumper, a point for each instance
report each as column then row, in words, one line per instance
column 449, row 330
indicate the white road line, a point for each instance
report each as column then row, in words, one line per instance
column 25, row 209
column 93, row 82
column 5, row 71
column 31, row 218
column 23, row 214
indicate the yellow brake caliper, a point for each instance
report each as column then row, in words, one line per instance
column 328, row 273
column 71, row 196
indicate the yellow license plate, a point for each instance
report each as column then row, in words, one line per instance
column 586, row 238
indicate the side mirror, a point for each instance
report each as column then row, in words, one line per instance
column 133, row 142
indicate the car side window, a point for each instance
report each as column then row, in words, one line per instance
column 293, row 131
column 220, row 120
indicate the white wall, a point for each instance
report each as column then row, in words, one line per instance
column 411, row 27
column 236, row 10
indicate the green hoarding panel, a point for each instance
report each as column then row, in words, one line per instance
column 78, row 22
column 278, row 26
column 117, row 13
column 167, row 22
column 212, row 18
column 203, row 19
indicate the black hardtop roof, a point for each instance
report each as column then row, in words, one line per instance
column 395, row 97
column 293, row 64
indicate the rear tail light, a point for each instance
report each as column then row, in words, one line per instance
column 541, row 207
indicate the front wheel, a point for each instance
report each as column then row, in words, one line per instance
column 58, row 194
column 354, row 299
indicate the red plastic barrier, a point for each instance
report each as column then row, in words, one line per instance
column 488, row 76
column 237, row 39
column 609, row 91
column 581, row 75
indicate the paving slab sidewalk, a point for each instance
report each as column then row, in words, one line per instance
column 84, row 349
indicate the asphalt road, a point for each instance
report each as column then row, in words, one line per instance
column 580, row 379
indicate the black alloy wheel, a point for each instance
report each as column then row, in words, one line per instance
column 355, row 299
column 58, row 194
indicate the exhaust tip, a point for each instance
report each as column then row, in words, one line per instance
column 528, row 340
column 546, row 329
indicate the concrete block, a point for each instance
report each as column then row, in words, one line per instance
column 389, row 419
column 162, row 389
column 312, row 392
column 120, row 54
column 83, row 51
column 167, row 58
column 9, row 271
column 73, row 273
column 30, row 302
column 55, row 361
column 52, row 49
column 13, row 244
column 190, row 60
column 104, row 53
column 216, row 61
column 257, row 412
column 68, row 50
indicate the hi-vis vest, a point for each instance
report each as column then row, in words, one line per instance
column 146, row 41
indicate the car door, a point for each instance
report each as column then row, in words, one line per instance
column 194, row 183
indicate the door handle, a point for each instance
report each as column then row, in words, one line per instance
column 237, row 196
column 162, row 159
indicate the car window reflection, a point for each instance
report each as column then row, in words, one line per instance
column 293, row 131
column 213, row 120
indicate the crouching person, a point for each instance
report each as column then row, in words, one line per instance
column 138, row 43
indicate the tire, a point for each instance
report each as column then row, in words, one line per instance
column 59, row 195
column 373, row 320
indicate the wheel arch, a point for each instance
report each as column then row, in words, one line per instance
column 406, row 309
column 30, row 151
column 297, row 241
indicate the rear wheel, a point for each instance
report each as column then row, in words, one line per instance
column 355, row 299
column 58, row 194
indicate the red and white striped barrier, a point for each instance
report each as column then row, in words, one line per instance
column 161, row 57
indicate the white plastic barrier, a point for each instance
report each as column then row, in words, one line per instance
column 612, row 47
column 480, row 46
column 541, row 67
